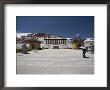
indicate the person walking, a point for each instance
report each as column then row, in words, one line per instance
column 84, row 52
column 24, row 48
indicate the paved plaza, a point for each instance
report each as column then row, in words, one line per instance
column 55, row 61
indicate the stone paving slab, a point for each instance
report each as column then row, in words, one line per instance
column 55, row 61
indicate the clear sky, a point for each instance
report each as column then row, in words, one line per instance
column 67, row 26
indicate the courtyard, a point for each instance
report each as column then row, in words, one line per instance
column 55, row 61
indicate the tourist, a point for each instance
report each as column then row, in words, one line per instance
column 84, row 52
column 24, row 48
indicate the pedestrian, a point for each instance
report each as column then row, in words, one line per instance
column 84, row 52
column 24, row 48
column 92, row 49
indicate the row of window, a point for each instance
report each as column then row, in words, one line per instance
column 55, row 41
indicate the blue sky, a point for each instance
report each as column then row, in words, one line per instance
column 67, row 26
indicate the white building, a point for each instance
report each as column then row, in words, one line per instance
column 19, row 35
column 55, row 43
column 88, row 43
column 19, row 46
